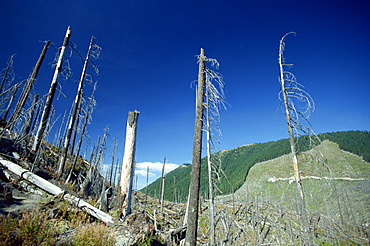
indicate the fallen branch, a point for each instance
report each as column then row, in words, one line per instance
column 55, row 190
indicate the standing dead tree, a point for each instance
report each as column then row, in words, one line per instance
column 7, row 73
column 162, row 185
column 128, row 164
column 77, row 102
column 298, row 105
column 11, row 99
column 210, row 97
column 193, row 199
column 30, row 82
column 8, row 76
column 27, row 127
column 50, row 96
column 87, row 117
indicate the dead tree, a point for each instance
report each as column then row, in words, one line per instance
column 192, row 216
column 56, row 191
column 50, row 96
column 111, row 181
column 128, row 164
column 76, row 105
column 14, row 92
column 88, row 113
column 8, row 74
column 31, row 114
column 30, row 82
column 162, row 185
column 293, row 93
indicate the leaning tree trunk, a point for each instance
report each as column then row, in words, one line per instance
column 50, row 97
column 128, row 163
column 192, row 217
column 27, row 89
column 289, row 109
column 9, row 68
column 84, row 125
column 76, row 104
column 15, row 89
column 30, row 117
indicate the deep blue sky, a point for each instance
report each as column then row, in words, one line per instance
column 148, row 63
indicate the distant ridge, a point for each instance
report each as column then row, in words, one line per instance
column 236, row 163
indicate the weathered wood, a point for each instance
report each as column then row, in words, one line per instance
column 55, row 190
column 128, row 163
column 50, row 96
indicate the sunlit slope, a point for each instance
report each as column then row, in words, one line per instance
column 335, row 182
column 236, row 164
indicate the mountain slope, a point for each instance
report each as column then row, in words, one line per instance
column 236, row 163
column 339, row 186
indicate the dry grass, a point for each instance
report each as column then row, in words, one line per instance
column 93, row 235
column 38, row 227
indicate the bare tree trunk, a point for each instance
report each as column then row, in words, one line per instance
column 6, row 72
column 15, row 89
column 174, row 189
column 128, row 163
column 86, row 120
column 162, row 185
column 50, row 97
column 112, row 167
column 74, row 131
column 29, row 85
column 192, row 219
column 288, row 116
column 74, row 111
column 146, row 188
column 32, row 112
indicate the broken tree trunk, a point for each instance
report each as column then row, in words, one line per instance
column 27, row 89
column 50, row 97
column 55, row 190
column 128, row 163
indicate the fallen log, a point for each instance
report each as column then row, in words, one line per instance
column 55, row 190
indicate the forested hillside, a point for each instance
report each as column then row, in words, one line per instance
column 236, row 163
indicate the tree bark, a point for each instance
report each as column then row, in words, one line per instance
column 128, row 163
column 192, row 220
column 50, row 97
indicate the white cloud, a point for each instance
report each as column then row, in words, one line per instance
column 154, row 167
column 142, row 172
